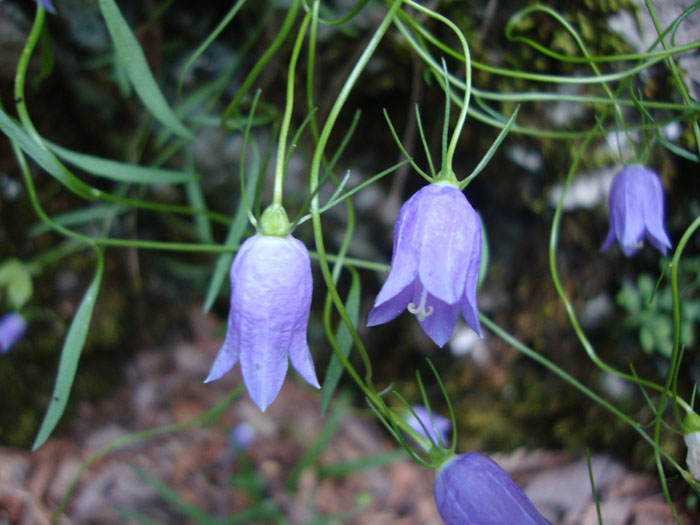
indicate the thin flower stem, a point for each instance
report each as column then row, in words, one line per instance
column 674, row 71
column 288, row 107
column 447, row 161
column 563, row 374
column 365, row 385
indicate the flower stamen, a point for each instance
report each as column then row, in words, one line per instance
column 420, row 311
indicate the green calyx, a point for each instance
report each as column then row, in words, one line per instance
column 446, row 177
column 691, row 423
column 274, row 221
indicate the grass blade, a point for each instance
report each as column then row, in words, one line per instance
column 132, row 58
column 70, row 355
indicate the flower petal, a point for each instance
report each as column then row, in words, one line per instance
column 654, row 213
column 447, row 224
column 468, row 301
column 472, row 488
column 226, row 357
column 391, row 308
column 404, row 258
column 440, row 324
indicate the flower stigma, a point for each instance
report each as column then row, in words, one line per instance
column 420, row 311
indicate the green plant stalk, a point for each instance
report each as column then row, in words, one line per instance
column 447, row 161
column 315, row 212
column 260, row 64
column 564, row 375
column 287, row 117
column 674, row 72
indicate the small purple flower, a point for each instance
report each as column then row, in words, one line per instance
column 435, row 263
column 636, row 203
column 242, row 436
column 47, row 5
column 270, row 301
column 12, row 328
column 442, row 424
column 471, row 488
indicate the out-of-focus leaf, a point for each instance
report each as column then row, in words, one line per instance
column 132, row 58
column 70, row 355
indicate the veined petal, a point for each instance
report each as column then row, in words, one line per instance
column 468, row 301
column 472, row 488
column 391, row 308
column 226, row 357
column 440, row 324
column 628, row 213
column 447, row 223
column 654, row 213
column 404, row 258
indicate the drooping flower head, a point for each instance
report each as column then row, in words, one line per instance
column 472, row 488
column 12, row 328
column 270, row 300
column 636, row 203
column 442, row 425
column 435, row 263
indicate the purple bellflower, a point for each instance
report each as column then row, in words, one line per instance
column 442, row 424
column 636, row 203
column 12, row 328
column 471, row 488
column 435, row 263
column 270, row 301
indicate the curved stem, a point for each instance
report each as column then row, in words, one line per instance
column 288, row 107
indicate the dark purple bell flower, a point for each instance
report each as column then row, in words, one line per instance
column 636, row 203
column 435, row 263
column 442, row 424
column 472, row 489
column 12, row 328
column 270, row 301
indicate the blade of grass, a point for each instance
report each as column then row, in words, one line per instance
column 132, row 58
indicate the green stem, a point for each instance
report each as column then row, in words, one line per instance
column 447, row 163
column 315, row 212
column 549, row 365
column 287, row 117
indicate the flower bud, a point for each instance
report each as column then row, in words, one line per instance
column 471, row 488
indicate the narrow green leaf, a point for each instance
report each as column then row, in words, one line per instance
column 120, row 171
column 132, row 58
column 344, row 341
column 70, row 355
column 44, row 158
column 96, row 212
column 235, row 232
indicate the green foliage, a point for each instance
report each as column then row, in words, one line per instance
column 649, row 309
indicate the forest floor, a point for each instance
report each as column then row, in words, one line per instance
column 198, row 474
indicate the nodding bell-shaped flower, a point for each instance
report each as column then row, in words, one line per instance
column 636, row 203
column 12, row 328
column 471, row 488
column 435, row 263
column 270, row 300
column 442, row 425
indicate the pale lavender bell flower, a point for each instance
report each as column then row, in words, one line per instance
column 435, row 263
column 442, row 425
column 270, row 300
column 12, row 328
column 472, row 488
column 636, row 203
